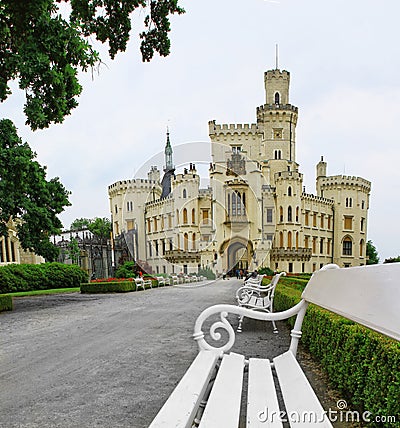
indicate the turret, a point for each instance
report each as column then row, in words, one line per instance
column 277, row 87
column 321, row 172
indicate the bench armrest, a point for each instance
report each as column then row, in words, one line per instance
column 225, row 324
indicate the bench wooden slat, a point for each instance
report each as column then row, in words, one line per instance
column 299, row 397
column 262, row 402
column 181, row 406
column 363, row 294
column 223, row 406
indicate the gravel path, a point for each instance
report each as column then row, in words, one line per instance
column 111, row 360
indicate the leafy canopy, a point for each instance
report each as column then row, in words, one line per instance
column 43, row 48
column 26, row 196
column 372, row 254
column 100, row 227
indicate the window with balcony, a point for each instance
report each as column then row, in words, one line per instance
column 269, row 215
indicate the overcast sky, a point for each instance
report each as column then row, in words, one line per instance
column 344, row 60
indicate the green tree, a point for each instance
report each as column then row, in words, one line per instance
column 372, row 254
column 43, row 46
column 80, row 223
column 392, row 260
column 26, row 196
column 73, row 251
column 100, row 227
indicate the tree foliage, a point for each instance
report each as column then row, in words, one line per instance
column 26, row 196
column 80, row 223
column 372, row 254
column 392, row 260
column 44, row 47
column 100, row 227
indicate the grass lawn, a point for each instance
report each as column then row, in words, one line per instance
column 39, row 292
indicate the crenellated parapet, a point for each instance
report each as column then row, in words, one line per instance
column 139, row 184
column 345, row 182
column 288, row 175
column 319, row 199
column 231, row 129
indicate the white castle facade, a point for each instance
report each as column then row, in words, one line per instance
column 255, row 212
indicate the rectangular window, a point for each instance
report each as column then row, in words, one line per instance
column 169, row 220
column 348, row 223
column 148, row 225
column 269, row 215
column 321, row 246
column 314, row 245
column 328, row 247
column 205, row 216
column 290, row 267
column 270, row 236
column 306, row 218
column 329, row 221
column 306, row 242
column 314, row 221
column 322, row 221
column 129, row 224
column 362, row 224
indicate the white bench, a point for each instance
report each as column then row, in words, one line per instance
column 209, row 394
column 161, row 280
column 257, row 297
column 141, row 283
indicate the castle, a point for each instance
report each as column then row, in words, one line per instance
column 255, row 212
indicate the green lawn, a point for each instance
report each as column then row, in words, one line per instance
column 39, row 292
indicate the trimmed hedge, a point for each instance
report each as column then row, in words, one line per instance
column 45, row 276
column 361, row 363
column 6, row 303
column 117, row 286
column 109, row 287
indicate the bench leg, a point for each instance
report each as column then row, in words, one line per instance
column 275, row 328
column 239, row 329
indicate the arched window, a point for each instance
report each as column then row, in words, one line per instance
column 297, row 214
column 193, row 216
column 177, row 217
column 184, row 194
column 280, row 214
column 277, row 98
column 347, row 246
column 239, row 204
column 185, row 218
column 244, row 201
column 289, row 191
column 193, row 241
column 185, row 241
column 281, row 239
column 289, row 239
column 289, row 213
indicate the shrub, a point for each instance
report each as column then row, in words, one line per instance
column 6, row 303
column 25, row 277
column 266, row 271
column 108, row 287
column 361, row 363
column 127, row 270
column 207, row 272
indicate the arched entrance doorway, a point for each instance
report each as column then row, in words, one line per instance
column 238, row 255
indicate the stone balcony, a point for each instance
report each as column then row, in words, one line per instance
column 301, row 254
column 182, row 256
column 237, row 223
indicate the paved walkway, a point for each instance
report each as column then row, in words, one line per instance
column 110, row 360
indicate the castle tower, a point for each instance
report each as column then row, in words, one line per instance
column 169, row 169
column 277, row 118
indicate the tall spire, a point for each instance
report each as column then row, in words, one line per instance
column 168, row 154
